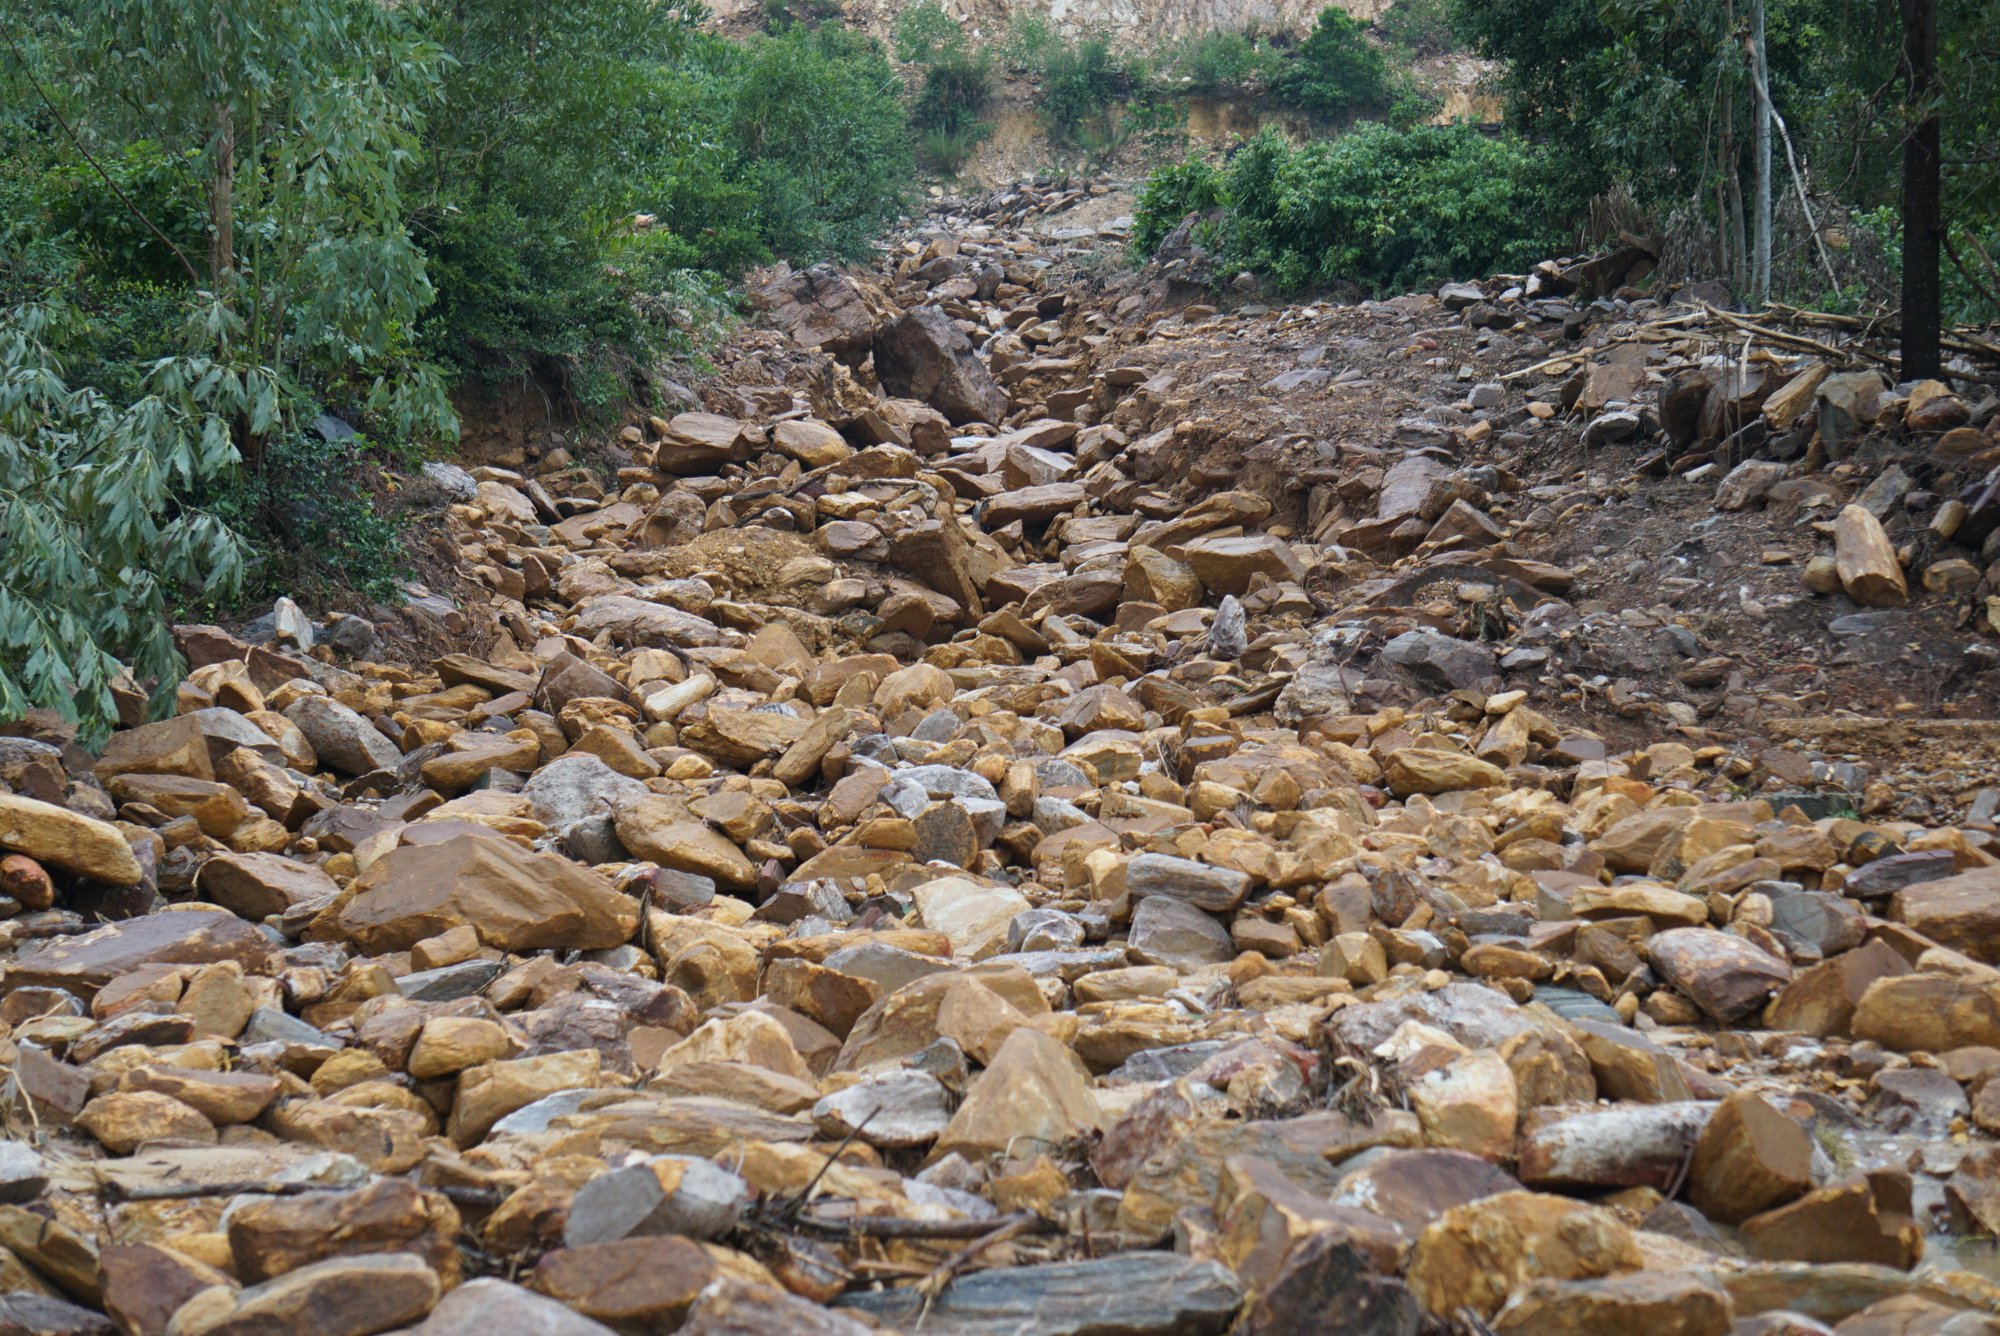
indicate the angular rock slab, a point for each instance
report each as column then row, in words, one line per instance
column 516, row 900
column 1133, row 1294
column 490, row 1307
column 923, row 355
column 1725, row 976
column 188, row 937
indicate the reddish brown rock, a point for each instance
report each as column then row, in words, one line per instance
column 1726, row 976
column 87, row 962
column 514, row 899
column 1864, row 1218
column 636, row 1285
column 271, row 1236
column 1750, row 1158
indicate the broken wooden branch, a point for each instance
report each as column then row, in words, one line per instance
column 483, row 1198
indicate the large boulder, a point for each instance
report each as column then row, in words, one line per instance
column 1724, row 975
column 1440, row 660
column 67, row 840
column 342, row 739
column 515, row 900
column 1961, row 912
column 821, row 307
column 923, row 355
column 85, row 963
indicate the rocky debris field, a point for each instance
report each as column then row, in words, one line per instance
column 1042, row 805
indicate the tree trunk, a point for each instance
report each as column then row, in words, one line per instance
column 222, row 202
column 1732, row 180
column 1760, row 159
column 1922, row 228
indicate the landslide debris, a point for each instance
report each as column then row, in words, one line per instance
column 1037, row 805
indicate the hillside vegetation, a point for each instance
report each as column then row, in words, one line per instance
column 245, row 251
column 245, row 257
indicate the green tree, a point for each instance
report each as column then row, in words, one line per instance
column 93, row 548
column 559, row 125
column 1380, row 209
column 816, row 117
column 1336, row 70
column 298, row 122
column 278, row 277
column 597, row 169
column 1656, row 96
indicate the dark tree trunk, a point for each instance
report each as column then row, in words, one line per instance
column 1922, row 226
column 222, row 202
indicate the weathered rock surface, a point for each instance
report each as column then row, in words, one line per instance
column 67, row 840
column 1140, row 1293
column 513, row 900
column 922, row 355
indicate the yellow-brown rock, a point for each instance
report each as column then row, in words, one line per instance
column 1477, row 1254
column 1411, row 770
column 1034, row 1095
column 63, row 839
column 514, row 899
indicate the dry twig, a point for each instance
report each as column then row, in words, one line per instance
column 902, row 1227
column 932, row 1286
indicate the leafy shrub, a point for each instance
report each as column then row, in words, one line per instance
column 782, row 16
column 1878, row 232
column 1336, row 70
column 1025, row 48
column 947, row 150
column 955, row 93
column 1171, row 194
column 1385, row 209
column 816, row 118
column 925, row 34
column 563, row 127
column 1418, row 27
column 957, row 85
column 1080, row 82
column 1224, row 64
column 112, row 241
column 1157, row 123
column 956, row 90
column 310, row 524
column 1412, row 106
column 519, row 296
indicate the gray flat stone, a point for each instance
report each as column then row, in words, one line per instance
column 449, row 982
column 1132, row 1294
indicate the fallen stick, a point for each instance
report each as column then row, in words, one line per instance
column 933, row 1285
column 1779, row 336
column 1884, row 326
column 1638, row 335
column 902, row 1227
column 463, row 1196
